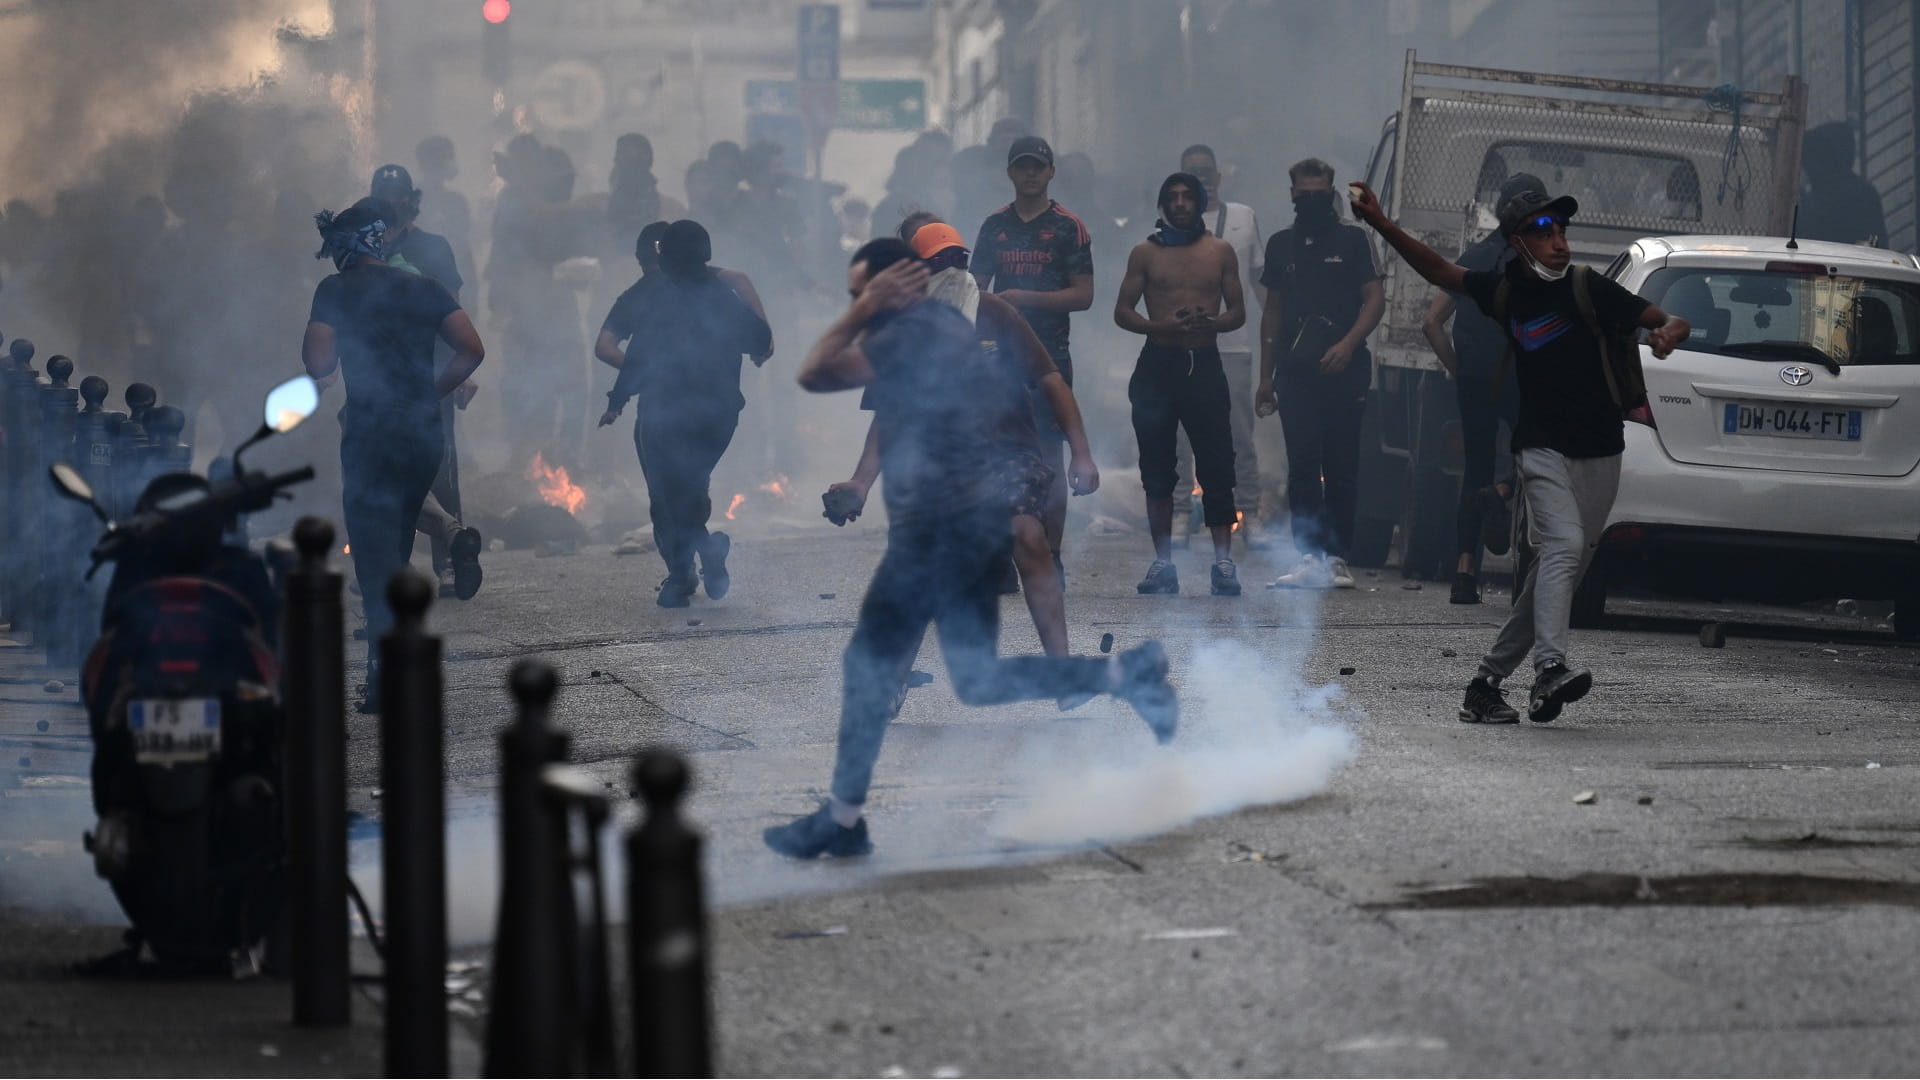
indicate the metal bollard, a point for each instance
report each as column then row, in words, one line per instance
column 93, row 440
column 413, row 846
column 165, row 452
column 130, row 449
column 316, row 765
column 20, row 415
column 667, row 928
column 533, row 1002
column 573, row 792
column 54, row 588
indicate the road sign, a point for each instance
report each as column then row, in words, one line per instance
column 819, row 44
column 860, row 105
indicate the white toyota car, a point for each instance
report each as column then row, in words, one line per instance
column 1779, row 463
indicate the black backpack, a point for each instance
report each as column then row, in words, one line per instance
column 1619, row 351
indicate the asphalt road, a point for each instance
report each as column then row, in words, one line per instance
column 1326, row 873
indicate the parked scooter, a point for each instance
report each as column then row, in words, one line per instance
column 182, row 690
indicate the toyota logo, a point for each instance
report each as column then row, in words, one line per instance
column 1795, row 375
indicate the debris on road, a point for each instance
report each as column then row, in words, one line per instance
column 1448, row 653
column 54, row 686
column 1411, row 586
column 801, row 935
column 1873, row 764
column 1106, row 643
column 1347, row 671
column 1238, row 852
column 1713, row 635
column 1586, row 798
column 828, row 595
column 1645, row 800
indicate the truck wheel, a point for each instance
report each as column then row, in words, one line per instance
column 1590, row 599
column 1372, row 540
column 1906, row 617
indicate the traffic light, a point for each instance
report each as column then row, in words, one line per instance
column 496, row 56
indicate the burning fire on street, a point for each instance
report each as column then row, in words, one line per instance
column 779, row 486
column 556, row 488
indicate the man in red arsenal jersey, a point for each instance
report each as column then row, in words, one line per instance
column 1036, row 255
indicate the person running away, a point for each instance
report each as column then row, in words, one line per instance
column 686, row 333
column 376, row 326
column 1023, row 363
column 1191, row 281
column 948, row 531
column 1571, row 334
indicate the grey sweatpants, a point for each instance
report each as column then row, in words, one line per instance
column 1567, row 501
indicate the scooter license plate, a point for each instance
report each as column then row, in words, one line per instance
column 174, row 732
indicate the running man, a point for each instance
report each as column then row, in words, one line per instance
column 948, row 532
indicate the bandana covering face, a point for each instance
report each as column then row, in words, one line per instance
column 341, row 242
column 1167, row 234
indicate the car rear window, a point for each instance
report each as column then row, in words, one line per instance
column 1619, row 183
column 1767, row 314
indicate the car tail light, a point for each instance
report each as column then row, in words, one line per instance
column 1642, row 414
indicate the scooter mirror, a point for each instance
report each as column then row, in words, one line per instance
column 292, row 402
column 71, row 483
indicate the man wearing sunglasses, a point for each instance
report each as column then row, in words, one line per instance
column 1568, row 441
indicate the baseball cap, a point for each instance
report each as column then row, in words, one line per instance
column 935, row 237
column 1515, row 185
column 392, row 182
column 1527, row 206
column 1032, row 146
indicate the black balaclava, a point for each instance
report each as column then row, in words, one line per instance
column 1170, row 236
column 685, row 249
column 1315, row 209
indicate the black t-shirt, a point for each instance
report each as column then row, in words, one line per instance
column 684, row 337
column 1564, row 402
column 1009, row 409
column 1042, row 255
column 429, row 254
column 938, row 457
column 1478, row 341
column 385, row 322
column 1318, row 271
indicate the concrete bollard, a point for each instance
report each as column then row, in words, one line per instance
column 314, row 662
column 667, row 928
column 413, row 845
column 56, row 590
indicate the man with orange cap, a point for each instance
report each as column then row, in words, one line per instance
column 1024, row 362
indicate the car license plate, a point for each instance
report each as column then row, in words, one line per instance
column 170, row 732
column 1790, row 421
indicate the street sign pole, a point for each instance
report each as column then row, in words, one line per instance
column 817, row 78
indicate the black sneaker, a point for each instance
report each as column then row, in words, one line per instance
column 1466, row 590
column 1226, row 578
column 713, row 565
column 1143, row 685
column 1486, row 703
column 1161, row 580
column 464, row 552
column 818, row 834
column 1554, row 688
column 1496, row 520
column 675, row 592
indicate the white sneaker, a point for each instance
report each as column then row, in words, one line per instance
column 1342, row 577
column 1312, row 573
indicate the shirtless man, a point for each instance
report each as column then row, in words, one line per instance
column 1191, row 280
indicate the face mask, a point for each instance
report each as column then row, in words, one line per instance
column 1542, row 272
column 1314, row 207
column 1168, row 236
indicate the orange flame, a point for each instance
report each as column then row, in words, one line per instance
column 555, row 486
column 734, row 506
column 779, row 487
